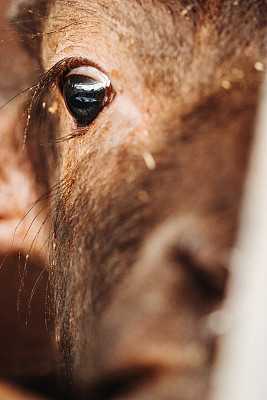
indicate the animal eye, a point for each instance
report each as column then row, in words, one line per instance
column 86, row 91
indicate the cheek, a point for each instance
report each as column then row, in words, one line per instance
column 119, row 127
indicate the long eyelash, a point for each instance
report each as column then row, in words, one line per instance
column 53, row 77
column 47, row 80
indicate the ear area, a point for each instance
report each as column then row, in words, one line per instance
column 18, row 189
column 27, row 352
column 21, row 217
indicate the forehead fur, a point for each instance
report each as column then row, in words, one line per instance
column 170, row 41
column 154, row 20
column 185, row 15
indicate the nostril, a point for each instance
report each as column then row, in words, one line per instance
column 154, row 321
column 209, row 273
column 201, row 247
column 121, row 383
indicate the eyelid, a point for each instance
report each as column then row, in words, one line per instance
column 86, row 91
column 90, row 72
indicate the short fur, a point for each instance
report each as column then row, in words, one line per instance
column 139, row 252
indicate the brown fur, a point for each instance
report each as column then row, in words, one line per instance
column 139, row 255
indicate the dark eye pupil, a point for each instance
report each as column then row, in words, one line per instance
column 84, row 97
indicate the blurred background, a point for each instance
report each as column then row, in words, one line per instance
column 26, row 356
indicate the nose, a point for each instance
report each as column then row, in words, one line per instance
column 195, row 245
column 153, row 325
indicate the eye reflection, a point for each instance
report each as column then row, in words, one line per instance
column 86, row 91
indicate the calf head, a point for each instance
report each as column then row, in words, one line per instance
column 146, row 184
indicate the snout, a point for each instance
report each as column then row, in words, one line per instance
column 190, row 243
column 152, row 338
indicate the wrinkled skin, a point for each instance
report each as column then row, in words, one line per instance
column 140, row 245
